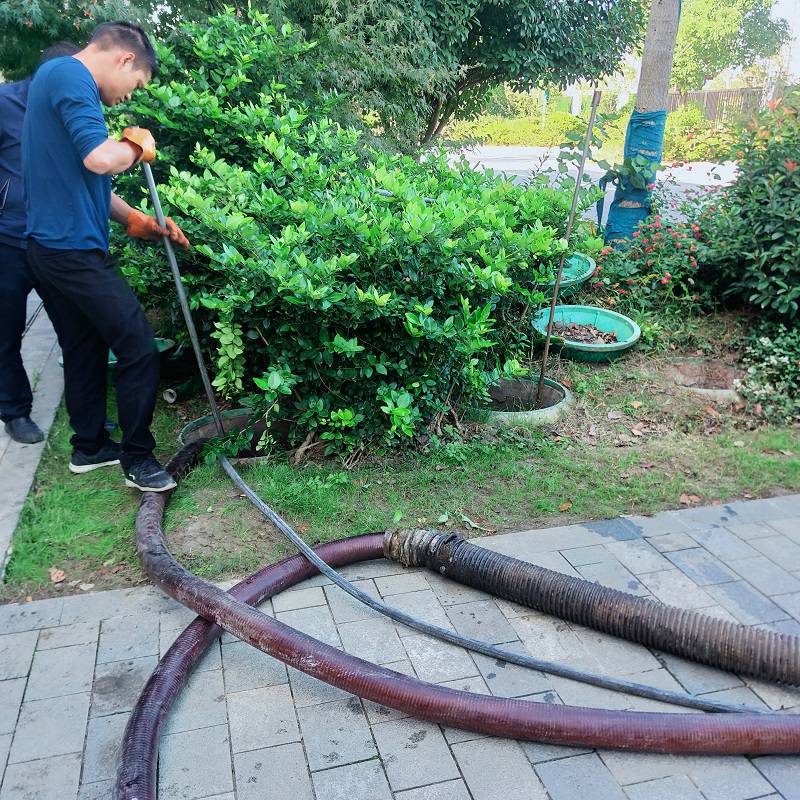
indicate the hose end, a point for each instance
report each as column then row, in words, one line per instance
column 413, row 547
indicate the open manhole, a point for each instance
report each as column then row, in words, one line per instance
column 710, row 378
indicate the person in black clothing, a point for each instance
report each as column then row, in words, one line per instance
column 16, row 278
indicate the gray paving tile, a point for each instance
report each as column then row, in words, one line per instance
column 400, row 584
column 638, row 768
column 200, row 705
column 678, row 786
column 374, row 640
column 414, row 753
column 299, row 598
column 675, row 589
column 16, row 653
column 758, row 510
column 195, row 764
column 274, row 773
column 663, row 524
column 11, row 692
column 450, row 593
column 5, row 747
column 481, row 620
column 261, row 718
column 698, row 678
column 616, row 656
column 95, row 606
column 780, row 549
column 176, row 618
column 345, row 608
column 379, row 713
column 316, row 621
column 739, row 696
column 335, row 734
column 422, row 605
column 750, row 530
column 308, row 691
column 364, row 781
column 553, row 639
column 526, row 544
column 745, row 603
column 117, row 685
column 103, row 741
column 766, row 576
column 723, row 543
column 790, row 526
column 64, row 671
column 782, row 772
column 18, row 617
column 437, row 661
column 580, row 556
column 615, row 576
column 449, row 790
column 102, row 790
column 703, row 568
column 672, row 541
column 68, row 635
column 245, row 667
column 52, row 727
column 789, row 603
column 53, row 778
column 376, row 568
column 725, row 777
column 579, row 777
column 790, row 626
column 122, row 638
column 497, row 769
column 638, row 556
column 619, row 529
column 509, row 680
column 775, row 696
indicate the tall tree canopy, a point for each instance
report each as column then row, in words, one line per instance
column 717, row 34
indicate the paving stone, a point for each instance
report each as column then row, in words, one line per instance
column 16, row 653
column 117, row 685
column 791, row 626
column 374, row 640
column 475, row 685
column 738, row 696
column 619, row 529
column 703, row 568
column 103, row 741
column 698, row 678
column 509, row 680
column 335, row 734
column 481, row 620
column 761, row 510
column 245, row 667
column 316, row 622
column 200, row 705
column 379, row 713
column 50, row 727
column 123, row 638
column 678, row 786
column 616, row 656
column 788, row 527
column 176, row 618
column 526, row 544
column 346, row 608
column 580, row 556
column 790, row 603
column 18, row 617
column 102, row 790
column 615, row 576
column 364, row 781
column 745, row 603
column 422, row 605
column 10, row 700
column 68, row 635
column 414, row 753
column 308, row 691
column 725, row 777
column 636, row 768
column 261, row 718
column 766, row 576
column 638, row 556
column 672, row 541
column 47, row 779
column 299, row 598
column 675, row 589
column 376, row 568
column 437, row 661
column 449, row 790
column 718, row 612
column 195, row 764
column 400, row 584
column 211, row 659
column 275, row 773
column 553, row 639
column 750, row 530
column 781, row 550
column 579, row 777
column 663, row 524
column 497, row 769
column 5, row 747
column 782, row 772
column 775, row 696
column 64, row 671
column 96, row 606
column 450, row 593
column 510, row 610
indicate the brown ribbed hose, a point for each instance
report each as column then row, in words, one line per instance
column 758, row 652
column 654, row 732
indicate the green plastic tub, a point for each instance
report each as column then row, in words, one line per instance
column 578, row 268
column 603, row 319
column 513, row 404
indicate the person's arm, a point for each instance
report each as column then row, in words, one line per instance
column 112, row 157
column 141, row 226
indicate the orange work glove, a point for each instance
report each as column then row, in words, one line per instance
column 142, row 142
column 143, row 226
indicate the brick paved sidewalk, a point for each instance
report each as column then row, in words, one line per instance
column 71, row 668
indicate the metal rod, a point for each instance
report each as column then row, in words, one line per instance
column 187, row 314
column 587, row 142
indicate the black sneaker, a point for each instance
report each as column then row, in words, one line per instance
column 24, row 430
column 147, row 475
column 106, row 456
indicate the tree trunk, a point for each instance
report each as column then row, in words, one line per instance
column 659, row 48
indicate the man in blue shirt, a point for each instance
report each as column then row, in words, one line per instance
column 68, row 160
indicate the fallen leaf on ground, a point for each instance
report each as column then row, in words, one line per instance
column 758, row 408
column 648, row 465
column 638, row 429
column 566, row 382
column 636, row 404
column 787, row 452
column 565, row 506
column 303, row 527
column 615, row 414
column 710, row 410
column 689, row 499
column 84, row 587
column 56, row 575
column 475, row 525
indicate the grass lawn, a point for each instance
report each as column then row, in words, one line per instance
column 636, row 444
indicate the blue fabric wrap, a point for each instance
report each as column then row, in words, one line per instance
column 644, row 136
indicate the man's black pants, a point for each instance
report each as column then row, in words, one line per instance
column 16, row 282
column 93, row 309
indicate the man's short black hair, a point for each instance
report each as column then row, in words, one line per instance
column 128, row 36
column 57, row 50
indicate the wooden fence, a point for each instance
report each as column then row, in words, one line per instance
column 722, row 105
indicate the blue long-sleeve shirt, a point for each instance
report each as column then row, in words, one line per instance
column 13, row 98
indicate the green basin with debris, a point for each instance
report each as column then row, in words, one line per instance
column 513, row 404
column 161, row 344
column 578, row 268
column 234, row 420
column 603, row 319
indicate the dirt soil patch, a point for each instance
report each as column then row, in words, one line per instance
column 701, row 373
column 585, row 334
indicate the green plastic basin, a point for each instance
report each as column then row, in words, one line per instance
column 603, row 319
column 578, row 268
